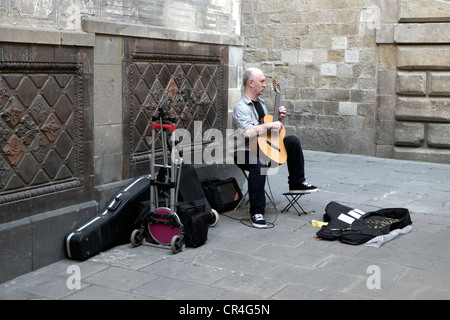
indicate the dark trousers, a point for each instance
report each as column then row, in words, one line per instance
column 257, row 180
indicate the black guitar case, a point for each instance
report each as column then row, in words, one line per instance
column 353, row 226
column 113, row 226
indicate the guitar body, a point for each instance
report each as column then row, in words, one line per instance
column 272, row 145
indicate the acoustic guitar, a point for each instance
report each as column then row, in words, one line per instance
column 271, row 143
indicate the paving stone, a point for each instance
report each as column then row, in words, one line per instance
column 255, row 285
column 120, row 279
column 168, row 289
column 286, row 262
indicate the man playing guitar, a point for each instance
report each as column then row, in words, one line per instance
column 247, row 121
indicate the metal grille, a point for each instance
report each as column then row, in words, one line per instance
column 189, row 88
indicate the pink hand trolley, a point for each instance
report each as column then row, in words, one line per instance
column 160, row 224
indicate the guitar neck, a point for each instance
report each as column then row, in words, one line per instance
column 276, row 106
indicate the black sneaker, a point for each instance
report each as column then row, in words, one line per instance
column 303, row 187
column 258, row 221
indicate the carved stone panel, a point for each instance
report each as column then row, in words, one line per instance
column 41, row 129
column 188, row 87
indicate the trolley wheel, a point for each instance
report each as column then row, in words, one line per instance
column 214, row 220
column 176, row 245
column 136, row 238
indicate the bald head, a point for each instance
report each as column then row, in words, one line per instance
column 254, row 83
column 251, row 74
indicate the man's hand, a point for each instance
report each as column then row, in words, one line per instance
column 276, row 125
column 281, row 113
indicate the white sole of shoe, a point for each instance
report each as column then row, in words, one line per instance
column 303, row 191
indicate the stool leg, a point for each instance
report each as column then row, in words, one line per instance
column 288, row 206
column 246, row 193
column 293, row 202
column 296, row 203
column 243, row 198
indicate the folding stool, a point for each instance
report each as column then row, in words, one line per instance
column 293, row 199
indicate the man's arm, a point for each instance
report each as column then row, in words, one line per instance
column 256, row 130
column 259, row 129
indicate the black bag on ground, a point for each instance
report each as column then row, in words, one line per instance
column 353, row 226
column 196, row 222
column 193, row 207
column 222, row 195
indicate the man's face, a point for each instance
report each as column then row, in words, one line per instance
column 259, row 84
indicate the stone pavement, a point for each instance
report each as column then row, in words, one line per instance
column 287, row 261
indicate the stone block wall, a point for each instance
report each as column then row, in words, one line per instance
column 325, row 59
column 414, row 83
column 215, row 16
column 360, row 76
